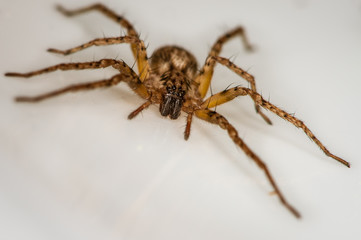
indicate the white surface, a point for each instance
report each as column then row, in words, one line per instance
column 74, row 167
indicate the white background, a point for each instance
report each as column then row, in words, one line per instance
column 74, row 167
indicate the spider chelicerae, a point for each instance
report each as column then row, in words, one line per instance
column 170, row 78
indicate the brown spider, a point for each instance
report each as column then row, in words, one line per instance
column 170, row 78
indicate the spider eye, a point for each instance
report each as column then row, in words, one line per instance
column 174, row 88
column 181, row 93
column 168, row 89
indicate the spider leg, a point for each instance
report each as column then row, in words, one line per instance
column 230, row 94
column 103, row 63
column 107, row 12
column 134, row 82
column 139, row 109
column 295, row 121
column 73, row 88
column 206, row 73
column 239, row 71
column 216, row 118
column 127, row 75
column 205, row 76
column 142, row 59
column 223, row 97
column 187, row 131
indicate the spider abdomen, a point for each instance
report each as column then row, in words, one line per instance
column 169, row 58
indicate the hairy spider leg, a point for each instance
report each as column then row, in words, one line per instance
column 205, row 76
column 206, row 73
column 216, row 118
column 230, row 94
column 73, row 88
column 240, row 72
column 127, row 75
column 142, row 62
column 139, row 109
column 187, row 131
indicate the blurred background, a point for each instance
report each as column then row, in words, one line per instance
column 74, row 167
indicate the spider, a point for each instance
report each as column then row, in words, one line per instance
column 171, row 79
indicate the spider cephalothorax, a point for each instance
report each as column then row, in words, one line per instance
column 171, row 79
column 174, row 90
column 175, row 67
